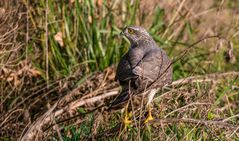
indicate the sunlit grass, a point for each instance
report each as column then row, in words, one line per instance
column 82, row 37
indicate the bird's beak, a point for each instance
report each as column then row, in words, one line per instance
column 122, row 33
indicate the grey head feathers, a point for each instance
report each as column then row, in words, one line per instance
column 136, row 34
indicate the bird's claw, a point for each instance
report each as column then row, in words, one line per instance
column 150, row 117
column 127, row 120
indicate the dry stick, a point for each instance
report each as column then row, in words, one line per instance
column 194, row 121
column 78, row 103
column 191, row 104
column 229, row 118
column 56, row 127
column 46, row 118
column 205, row 78
column 234, row 132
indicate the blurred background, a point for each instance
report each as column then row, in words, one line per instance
column 54, row 53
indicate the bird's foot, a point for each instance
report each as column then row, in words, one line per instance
column 127, row 120
column 150, row 117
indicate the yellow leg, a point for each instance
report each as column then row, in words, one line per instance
column 150, row 117
column 127, row 118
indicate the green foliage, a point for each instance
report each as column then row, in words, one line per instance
column 90, row 37
column 83, row 131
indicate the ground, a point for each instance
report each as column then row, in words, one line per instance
column 58, row 65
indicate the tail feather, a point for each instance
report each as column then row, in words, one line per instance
column 120, row 99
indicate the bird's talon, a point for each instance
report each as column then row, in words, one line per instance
column 127, row 120
column 149, row 118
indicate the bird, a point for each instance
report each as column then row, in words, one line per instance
column 144, row 65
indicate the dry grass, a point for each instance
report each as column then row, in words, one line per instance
column 49, row 92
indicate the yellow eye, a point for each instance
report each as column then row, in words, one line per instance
column 131, row 31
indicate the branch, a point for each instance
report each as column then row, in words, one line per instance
column 50, row 114
column 195, row 121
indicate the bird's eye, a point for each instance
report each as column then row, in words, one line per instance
column 131, row 31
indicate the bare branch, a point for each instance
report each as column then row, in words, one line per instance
column 194, row 121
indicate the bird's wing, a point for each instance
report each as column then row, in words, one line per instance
column 152, row 65
column 124, row 70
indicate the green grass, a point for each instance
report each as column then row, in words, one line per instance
column 89, row 40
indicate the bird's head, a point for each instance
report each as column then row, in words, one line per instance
column 135, row 34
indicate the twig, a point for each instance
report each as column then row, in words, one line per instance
column 229, row 118
column 79, row 103
column 191, row 104
column 194, row 121
column 204, row 78
column 56, row 127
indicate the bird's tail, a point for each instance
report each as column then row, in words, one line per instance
column 120, row 99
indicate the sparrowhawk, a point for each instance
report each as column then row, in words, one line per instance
column 144, row 65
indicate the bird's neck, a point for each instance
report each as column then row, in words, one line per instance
column 147, row 44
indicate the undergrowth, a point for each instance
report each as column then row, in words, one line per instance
column 53, row 50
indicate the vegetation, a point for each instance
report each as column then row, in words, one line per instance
column 58, row 58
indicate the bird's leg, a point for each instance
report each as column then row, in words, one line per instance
column 149, row 117
column 150, row 98
column 127, row 117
